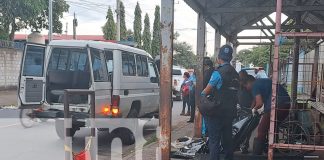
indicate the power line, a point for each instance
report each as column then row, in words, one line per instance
column 86, row 6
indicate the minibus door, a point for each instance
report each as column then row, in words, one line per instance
column 31, row 79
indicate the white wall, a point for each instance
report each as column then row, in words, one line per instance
column 9, row 68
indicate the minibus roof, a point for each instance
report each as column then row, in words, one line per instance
column 98, row 45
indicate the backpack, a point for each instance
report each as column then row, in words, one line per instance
column 185, row 89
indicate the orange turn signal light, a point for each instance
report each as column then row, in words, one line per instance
column 115, row 110
column 106, row 110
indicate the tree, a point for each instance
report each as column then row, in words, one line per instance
column 184, row 55
column 109, row 29
column 243, row 57
column 147, row 34
column 259, row 56
column 156, row 41
column 123, row 28
column 20, row 14
column 138, row 25
column 130, row 35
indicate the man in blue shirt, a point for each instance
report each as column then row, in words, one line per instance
column 262, row 93
column 220, row 121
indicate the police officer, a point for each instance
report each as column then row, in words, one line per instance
column 225, row 81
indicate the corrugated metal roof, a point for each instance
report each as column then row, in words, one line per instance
column 231, row 23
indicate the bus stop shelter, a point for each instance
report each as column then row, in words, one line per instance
column 228, row 18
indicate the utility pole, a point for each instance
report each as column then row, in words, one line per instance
column 50, row 20
column 118, row 20
column 66, row 28
column 75, row 24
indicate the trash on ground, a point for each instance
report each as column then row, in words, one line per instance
column 188, row 147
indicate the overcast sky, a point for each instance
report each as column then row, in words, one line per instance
column 91, row 15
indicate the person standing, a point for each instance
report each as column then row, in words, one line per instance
column 260, row 73
column 208, row 71
column 192, row 82
column 224, row 81
column 185, row 94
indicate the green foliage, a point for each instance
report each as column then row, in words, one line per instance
column 20, row 14
column 138, row 25
column 184, row 55
column 156, row 41
column 147, row 34
column 244, row 57
column 109, row 29
column 130, row 34
column 259, row 56
column 123, row 28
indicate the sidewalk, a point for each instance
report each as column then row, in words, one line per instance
column 183, row 128
column 8, row 98
column 149, row 152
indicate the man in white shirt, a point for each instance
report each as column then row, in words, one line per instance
column 260, row 73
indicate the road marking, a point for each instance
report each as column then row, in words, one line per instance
column 11, row 125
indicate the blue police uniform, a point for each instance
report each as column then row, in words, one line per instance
column 220, row 125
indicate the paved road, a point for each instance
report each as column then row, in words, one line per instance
column 41, row 142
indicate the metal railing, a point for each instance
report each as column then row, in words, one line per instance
column 67, row 116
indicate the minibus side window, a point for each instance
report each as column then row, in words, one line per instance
column 139, row 65
column 99, row 67
column 145, row 66
column 34, row 60
column 142, row 68
column 109, row 64
column 132, row 66
column 152, row 72
column 128, row 64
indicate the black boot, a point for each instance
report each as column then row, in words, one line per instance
column 258, row 146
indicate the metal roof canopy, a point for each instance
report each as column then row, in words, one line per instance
column 230, row 17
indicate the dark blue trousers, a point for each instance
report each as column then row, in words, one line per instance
column 220, row 130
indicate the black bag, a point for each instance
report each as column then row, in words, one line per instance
column 212, row 104
column 209, row 104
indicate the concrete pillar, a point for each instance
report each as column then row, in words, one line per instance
column 228, row 41
column 217, row 43
column 201, row 50
column 234, row 55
